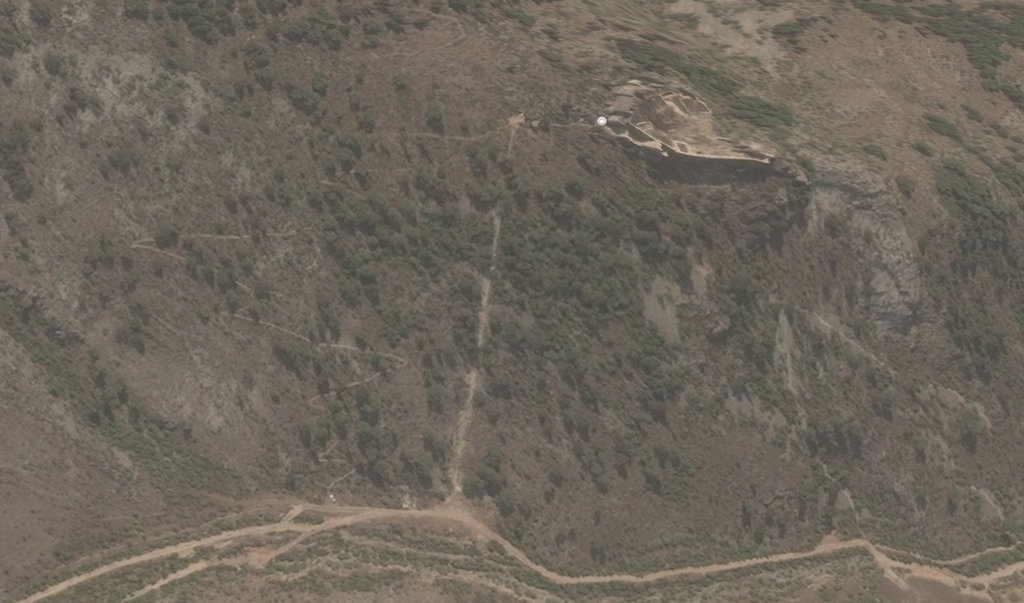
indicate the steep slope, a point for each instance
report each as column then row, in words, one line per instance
column 379, row 253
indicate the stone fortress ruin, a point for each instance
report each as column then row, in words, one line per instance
column 676, row 125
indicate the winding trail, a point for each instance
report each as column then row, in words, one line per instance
column 962, row 559
column 465, row 419
column 178, row 575
column 147, row 244
column 456, row 513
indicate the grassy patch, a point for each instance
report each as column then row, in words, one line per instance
column 662, row 60
column 761, row 113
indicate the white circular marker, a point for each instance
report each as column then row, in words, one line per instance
column 602, row 121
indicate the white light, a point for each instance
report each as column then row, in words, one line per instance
column 602, row 121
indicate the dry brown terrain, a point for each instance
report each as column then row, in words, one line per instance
column 375, row 259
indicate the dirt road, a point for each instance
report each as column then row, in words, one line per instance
column 459, row 515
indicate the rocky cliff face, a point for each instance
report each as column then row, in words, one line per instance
column 846, row 192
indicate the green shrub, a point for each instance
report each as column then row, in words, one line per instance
column 40, row 13
column 789, row 31
column 123, row 159
column 53, row 64
column 136, row 9
column 255, row 56
column 971, row 430
column 166, row 236
column 972, row 113
column 923, row 148
column 520, row 15
column 941, row 125
column 7, row 73
column 551, row 56
column 372, row 28
column 319, row 84
column 205, row 19
column 14, row 145
column 1008, row 173
column 886, row 12
column 874, row 149
column 1000, row 130
column 131, row 334
column 305, row 102
column 462, row 6
column 906, row 186
column 272, row 7
column 985, row 220
column 689, row 20
column 435, row 119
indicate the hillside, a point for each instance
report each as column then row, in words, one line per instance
column 378, row 256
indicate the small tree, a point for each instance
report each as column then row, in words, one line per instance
column 435, row 119
column 166, row 236
column 41, row 14
column 971, row 429
column 136, row 9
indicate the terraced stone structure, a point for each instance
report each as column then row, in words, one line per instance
column 676, row 125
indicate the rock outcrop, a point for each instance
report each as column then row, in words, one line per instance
column 895, row 287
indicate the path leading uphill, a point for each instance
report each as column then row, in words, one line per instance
column 465, row 419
